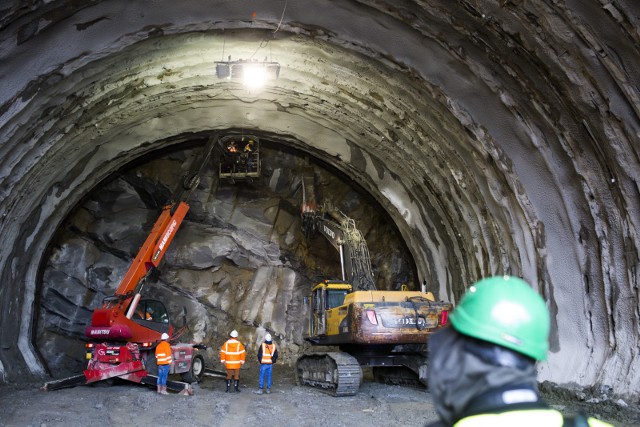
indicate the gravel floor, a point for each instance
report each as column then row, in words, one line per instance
column 288, row 405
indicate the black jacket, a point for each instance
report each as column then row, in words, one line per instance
column 274, row 356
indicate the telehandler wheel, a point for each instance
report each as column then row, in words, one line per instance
column 196, row 372
column 150, row 364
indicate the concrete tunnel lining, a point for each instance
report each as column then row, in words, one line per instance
column 458, row 120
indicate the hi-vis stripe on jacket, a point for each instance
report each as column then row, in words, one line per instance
column 267, row 352
column 163, row 353
column 232, row 354
column 524, row 418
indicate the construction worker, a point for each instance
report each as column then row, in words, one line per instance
column 482, row 369
column 232, row 355
column 163, row 360
column 267, row 356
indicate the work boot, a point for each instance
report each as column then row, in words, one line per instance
column 268, row 391
column 235, row 385
column 259, row 391
column 228, row 385
column 164, row 390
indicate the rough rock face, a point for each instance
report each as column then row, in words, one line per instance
column 239, row 260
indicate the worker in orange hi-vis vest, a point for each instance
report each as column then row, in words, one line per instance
column 163, row 360
column 232, row 355
column 267, row 356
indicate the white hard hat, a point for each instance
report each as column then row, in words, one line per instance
column 234, row 334
column 267, row 337
column 164, row 336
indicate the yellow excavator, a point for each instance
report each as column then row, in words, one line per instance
column 383, row 329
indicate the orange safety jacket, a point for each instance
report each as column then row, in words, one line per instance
column 163, row 353
column 267, row 353
column 232, row 354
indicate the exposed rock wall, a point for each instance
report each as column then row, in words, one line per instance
column 239, row 261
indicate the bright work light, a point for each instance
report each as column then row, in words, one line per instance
column 251, row 73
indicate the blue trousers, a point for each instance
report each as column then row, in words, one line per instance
column 163, row 373
column 265, row 374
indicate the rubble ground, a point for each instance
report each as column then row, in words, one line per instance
column 287, row 405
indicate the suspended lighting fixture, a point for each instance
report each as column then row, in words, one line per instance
column 251, row 73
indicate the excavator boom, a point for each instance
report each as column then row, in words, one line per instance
column 341, row 232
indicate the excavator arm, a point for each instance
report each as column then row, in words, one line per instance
column 342, row 233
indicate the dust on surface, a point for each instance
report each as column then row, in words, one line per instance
column 287, row 405
column 128, row 404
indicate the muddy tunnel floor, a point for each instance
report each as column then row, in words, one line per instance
column 127, row 404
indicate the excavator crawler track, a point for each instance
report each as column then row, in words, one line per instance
column 397, row 375
column 336, row 373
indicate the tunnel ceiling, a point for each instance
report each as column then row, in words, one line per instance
column 499, row 136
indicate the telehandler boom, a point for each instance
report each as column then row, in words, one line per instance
column 124, row 332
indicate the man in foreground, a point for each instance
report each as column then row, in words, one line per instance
column 482, row 369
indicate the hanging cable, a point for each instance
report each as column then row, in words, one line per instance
column 224, row 42
column 264, row 42
column 282, row 17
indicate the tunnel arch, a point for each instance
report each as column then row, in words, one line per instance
column 542, row 136
column 145, row 109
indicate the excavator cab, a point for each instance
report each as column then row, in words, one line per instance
column 325, row 298
column 335, row 295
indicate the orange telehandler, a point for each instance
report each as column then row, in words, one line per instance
column 124, row 332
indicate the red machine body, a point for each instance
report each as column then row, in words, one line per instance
column 126, row 329
column 124, row 332
column 115, row 320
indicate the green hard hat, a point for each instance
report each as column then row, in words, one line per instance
column 506, row 311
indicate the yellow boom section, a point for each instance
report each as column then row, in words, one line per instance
column 386, row 296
